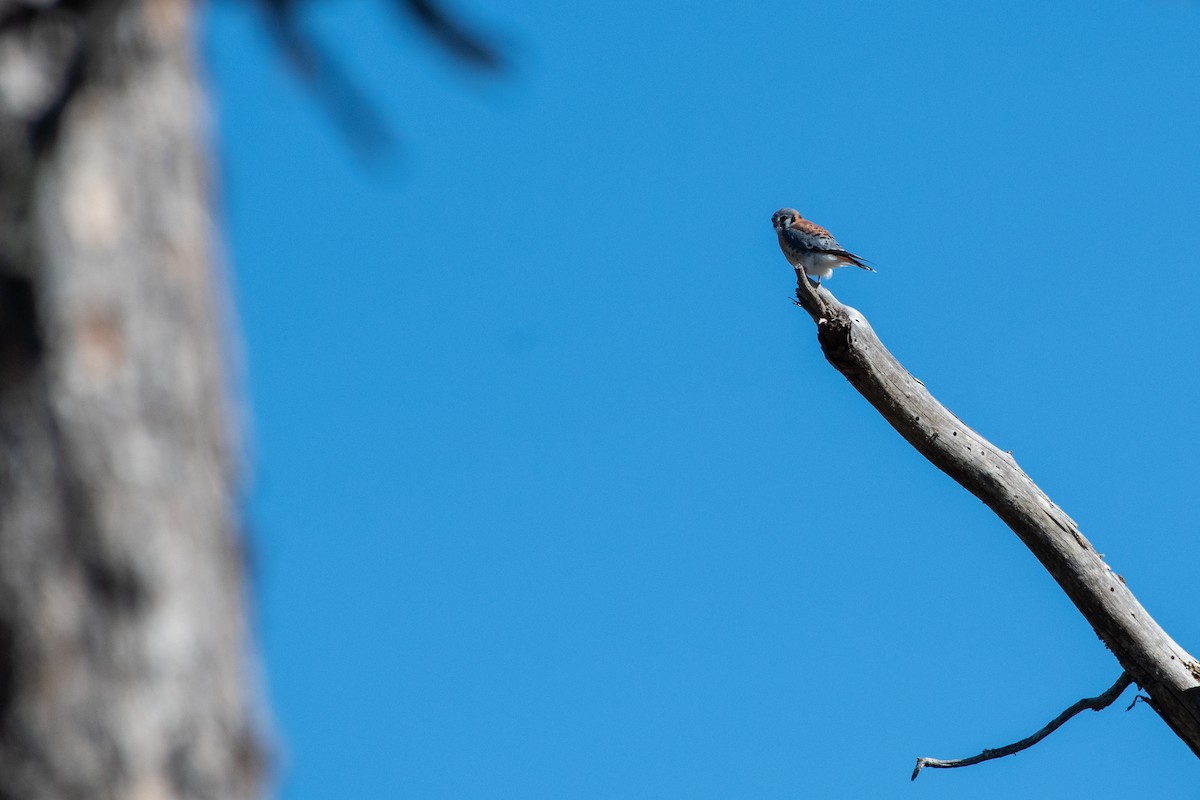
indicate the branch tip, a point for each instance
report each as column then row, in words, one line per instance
column 1097, row 703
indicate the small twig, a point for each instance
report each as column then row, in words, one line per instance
column 1094, row 703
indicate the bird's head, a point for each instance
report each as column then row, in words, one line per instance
column 784, row 218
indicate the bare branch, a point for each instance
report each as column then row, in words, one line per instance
column 348, row 105
column 452, row 34
column 1167, row 672
column 1094, row 703
column 1136, row 699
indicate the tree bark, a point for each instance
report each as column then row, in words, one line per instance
column 123, row 652
column 1169, row 675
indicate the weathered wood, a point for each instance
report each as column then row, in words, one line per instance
column 1098, row 703
column 122, row 629
column 1169, row 675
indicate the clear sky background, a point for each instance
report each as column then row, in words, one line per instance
column 553, row 494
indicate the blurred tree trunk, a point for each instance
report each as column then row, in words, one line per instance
column 123, row 642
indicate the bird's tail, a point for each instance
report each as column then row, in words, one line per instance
column 861, row 263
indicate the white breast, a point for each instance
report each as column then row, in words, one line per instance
column 821, row 265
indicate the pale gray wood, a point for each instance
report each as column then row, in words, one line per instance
column 123, row 642
column 1168, row 673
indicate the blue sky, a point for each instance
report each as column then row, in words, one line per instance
column 552, row 492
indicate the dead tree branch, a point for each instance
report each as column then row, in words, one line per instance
column 1098, row 703
column 1167, row 672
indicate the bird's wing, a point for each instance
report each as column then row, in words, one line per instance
column 807, row 235
column 812, row 236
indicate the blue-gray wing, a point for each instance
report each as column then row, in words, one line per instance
column 821, row 242
column 805, row 240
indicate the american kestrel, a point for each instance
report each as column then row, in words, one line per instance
column 809, row 246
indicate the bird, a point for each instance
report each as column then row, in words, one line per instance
column 808, row 246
